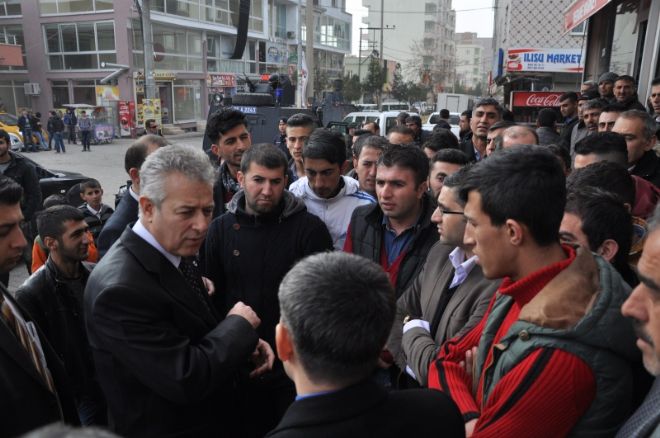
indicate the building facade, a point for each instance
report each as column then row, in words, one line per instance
column 532, row 52
column 623, row 37
column 474, row 56
column 65, row 43
column 422, row 39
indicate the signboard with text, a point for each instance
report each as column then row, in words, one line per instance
column 535, row 99
column 580, row 10
column 544, row 60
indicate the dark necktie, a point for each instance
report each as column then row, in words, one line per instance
column 190, row 272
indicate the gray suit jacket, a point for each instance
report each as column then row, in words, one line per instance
column 417, row 347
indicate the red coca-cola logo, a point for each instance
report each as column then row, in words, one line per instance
column 538, row 99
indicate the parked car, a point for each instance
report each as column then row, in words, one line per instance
column 57, row 182
column 386, row 119
column 453, row 122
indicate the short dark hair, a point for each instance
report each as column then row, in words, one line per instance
column 561, row 153
column 283, row 120
column 264, row 154
column 547, row 117
column 409, row 157
column 614, row 108
column 444, row 113
column 222, row 121
column 524, row 183
column 609, row 146
column 5, row 135
column 501, row 124
column 89, row 184
column 135, row 156
column 402, row 116
column 11, row 192
column 361, row 132
column 339, row 309
column 50, row 222
column 589, row 95
column 370, row 141
column 655, row 81
column 467, row 113
column 571, row 95
column 605, row 175
column 489, row 101
column 357, row 144
column 453, row 156
column 456, row 181
column 301, row 119
column 414, row 118
column 604, row 216
column 325, row 144
column 55, row 200
column 148, row 122
column 650, row 126
column 375, row 122
column 402, row 129
column 627, row 78
column 594, row 104
column 441, row 139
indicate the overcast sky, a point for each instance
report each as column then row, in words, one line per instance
column 471, row 16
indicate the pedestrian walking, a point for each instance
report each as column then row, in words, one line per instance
column 86, row 126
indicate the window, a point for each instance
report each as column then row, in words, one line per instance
column 80, row 46
column 60, row 93
column 223, row 12
column 186, row 100
column 84, row 92
column 430, row 8
column 10, row 8
column 73, row 6
column 13, row 35
column 624, row 40
column 12, row 96
column 429, row 26
column 579, row 29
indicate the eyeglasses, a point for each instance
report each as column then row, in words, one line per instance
column 443, row 211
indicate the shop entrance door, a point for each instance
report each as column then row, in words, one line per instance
column 165, row 94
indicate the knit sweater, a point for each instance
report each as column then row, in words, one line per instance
column 550, row 384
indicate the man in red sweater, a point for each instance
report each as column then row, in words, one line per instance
column 552, row 354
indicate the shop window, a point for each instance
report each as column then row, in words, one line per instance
column 624, row 41
column 10, row 8
column 187, row 96
column 60, row 90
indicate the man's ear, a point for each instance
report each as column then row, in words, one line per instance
column 215, row 149
column 608, row 249
column 515, row 232
column 134, row 173
column 147, row 208
column 422, row 188
column 241, row 178
column 344, row 167
column 50, row 243
column 283, row 343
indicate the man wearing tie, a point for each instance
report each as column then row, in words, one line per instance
column 34, row 390
column 164, row 357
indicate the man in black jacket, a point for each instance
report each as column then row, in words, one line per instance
column 248, row 250
column 486, row 112
column 625, row 93
column 396, row 233
column 32, row 395
column 337, row 310
column 53, row 297
column 638, row 128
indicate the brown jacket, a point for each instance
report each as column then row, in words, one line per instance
column 417, row 347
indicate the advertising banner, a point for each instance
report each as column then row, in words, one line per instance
column 149, row 109
column 106, row 94
column 125, row 119
column 545, row 60
column 580, row 10
column 538, row 99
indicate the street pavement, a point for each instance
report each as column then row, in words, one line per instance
column 105, row 163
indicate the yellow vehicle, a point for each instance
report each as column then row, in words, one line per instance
column 9, row 123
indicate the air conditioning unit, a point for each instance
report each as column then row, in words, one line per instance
column 32, row 89
column 291, row 35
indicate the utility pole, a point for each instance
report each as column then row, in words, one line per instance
column 309, row 46
column 150, row 91
column 382, row 56
column 300, row 99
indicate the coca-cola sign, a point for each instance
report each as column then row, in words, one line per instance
column 538, row 99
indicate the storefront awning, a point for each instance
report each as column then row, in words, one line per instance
column 580, row 10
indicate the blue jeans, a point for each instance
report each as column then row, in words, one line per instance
column 59, row 142
column 41, row 139
column 85, row 137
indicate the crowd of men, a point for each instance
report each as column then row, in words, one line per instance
column 503, row 283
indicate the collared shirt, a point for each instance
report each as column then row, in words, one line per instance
column 394, row 244
column 313, row 394
column 477, row 154
column 142, row 231
column 91, row 210
column 461, row 266
column 133, row 194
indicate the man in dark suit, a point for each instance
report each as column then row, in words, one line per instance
column 448, row 297
column 336, row 313
column 126, row 211
column 643, row 308
column 30, row 396
column 165, row 358
column 486, row 112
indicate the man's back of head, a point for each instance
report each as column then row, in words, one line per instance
column 338, row 310
column 601, row 146
column 12, row 240
column 519, row 135
column 547, row 118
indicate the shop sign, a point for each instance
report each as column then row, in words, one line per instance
column 580, row 10
column 149, row 109
column 125, row 119
column 545, row 60
column 106, row 94
column 159, row 75
column 275, row 54
column 537, row 99
column 221, row 80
